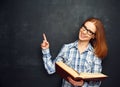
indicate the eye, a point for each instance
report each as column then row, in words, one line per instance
column 89, row 32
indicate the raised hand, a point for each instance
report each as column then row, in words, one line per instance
column 45, row 43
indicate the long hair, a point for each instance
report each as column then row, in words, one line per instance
column 99, row 42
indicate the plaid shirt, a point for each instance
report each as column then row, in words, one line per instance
column 69, row 54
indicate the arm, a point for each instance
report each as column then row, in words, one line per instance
column 49, row 66
column 48, row 63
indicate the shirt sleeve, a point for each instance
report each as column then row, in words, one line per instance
column 47, row 59
column 97, row 68
column 49, row 66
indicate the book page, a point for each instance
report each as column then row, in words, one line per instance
column 92, row 75
column 78, row 76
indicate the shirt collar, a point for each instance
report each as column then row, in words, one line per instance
column 89, row 47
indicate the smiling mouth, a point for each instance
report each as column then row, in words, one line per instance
column 83, row 35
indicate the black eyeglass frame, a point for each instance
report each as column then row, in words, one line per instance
column 89, row 32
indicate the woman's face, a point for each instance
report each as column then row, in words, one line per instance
column 87, row 31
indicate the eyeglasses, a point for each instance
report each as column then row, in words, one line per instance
column 89, row 32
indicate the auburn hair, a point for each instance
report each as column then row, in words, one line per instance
column 99, row 42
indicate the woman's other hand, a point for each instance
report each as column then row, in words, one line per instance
column 75, row 83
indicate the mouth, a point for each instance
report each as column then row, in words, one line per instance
column 83, row 35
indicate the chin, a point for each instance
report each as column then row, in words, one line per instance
column 83, row 39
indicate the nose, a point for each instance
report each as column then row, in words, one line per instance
column 85, row 31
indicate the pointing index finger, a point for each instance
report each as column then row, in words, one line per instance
column 44, row 37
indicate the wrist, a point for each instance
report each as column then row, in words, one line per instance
column 46, row 51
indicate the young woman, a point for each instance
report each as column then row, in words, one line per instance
column 83, row 55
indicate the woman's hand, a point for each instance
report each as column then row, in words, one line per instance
column 45, row 43
column 75, row 83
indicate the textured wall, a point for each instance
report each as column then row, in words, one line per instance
column 22, row 23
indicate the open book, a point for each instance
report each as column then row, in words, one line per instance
column 64, row 71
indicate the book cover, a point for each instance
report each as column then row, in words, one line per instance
column 64, row 71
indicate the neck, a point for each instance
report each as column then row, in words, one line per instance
column 82, row 45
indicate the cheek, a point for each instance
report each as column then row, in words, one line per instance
column 79, row 33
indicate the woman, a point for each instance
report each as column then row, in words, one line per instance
column 84, row 55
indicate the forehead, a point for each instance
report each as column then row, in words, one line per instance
column 90, row 26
